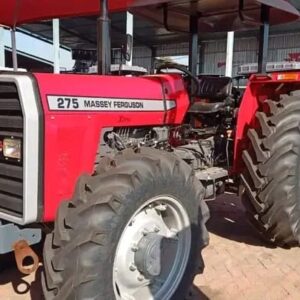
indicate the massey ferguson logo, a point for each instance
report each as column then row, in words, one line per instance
column 113, row 104
column 65, row 103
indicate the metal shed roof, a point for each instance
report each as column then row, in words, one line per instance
column 80, row 32
column 217, row 15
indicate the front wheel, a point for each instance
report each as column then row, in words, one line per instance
column 134, row 230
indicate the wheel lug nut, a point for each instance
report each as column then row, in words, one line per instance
column 145, row 232
column 174, row 234
column 156, row 229
column 161, row 207
column 134, row 248
column 132, row 267
column 141, row 278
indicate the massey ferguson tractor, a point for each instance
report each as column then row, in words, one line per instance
column 117, row 169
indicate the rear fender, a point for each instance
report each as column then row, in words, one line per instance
column 259, row 89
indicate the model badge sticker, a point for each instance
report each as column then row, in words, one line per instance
column 65, row 103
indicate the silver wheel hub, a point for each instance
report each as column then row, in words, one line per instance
column 148, row 256
column 153, row 251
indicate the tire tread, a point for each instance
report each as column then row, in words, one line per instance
column 270, row 175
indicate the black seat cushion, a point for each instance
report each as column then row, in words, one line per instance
column 206, row 108
column 214, row 88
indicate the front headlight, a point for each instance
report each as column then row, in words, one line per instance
column 12, row 148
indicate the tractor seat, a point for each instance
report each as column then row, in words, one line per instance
column 206, row 108
column 216, row 90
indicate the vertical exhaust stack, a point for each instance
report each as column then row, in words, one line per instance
column 14, row 49
column 193, row 44
column 104, row 40
column 264, row 39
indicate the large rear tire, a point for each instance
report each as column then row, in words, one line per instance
column 134, row 230
column 271, row 181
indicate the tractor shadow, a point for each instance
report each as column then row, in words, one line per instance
column 228, row 220
column 196, row 294
column 17, row 283
column 36, row 288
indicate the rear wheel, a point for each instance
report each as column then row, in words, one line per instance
column 271, row 182
column 134, row 230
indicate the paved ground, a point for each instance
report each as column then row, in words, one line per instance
column 239, row 265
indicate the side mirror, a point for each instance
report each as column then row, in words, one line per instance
column 128, row 49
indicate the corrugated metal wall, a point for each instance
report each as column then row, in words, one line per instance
column 142, row 55
column 282, row 47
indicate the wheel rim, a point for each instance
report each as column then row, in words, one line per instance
column 153, row 251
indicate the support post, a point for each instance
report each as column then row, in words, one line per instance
column 14, row 49
column 129, row 31
column 229, row 54
column 201, row 58
column 264, row 39
column 56, row 46
column 2, row 48
column 153, row 57
column 104, row 40
column 193, row 45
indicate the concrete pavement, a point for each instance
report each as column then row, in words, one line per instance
column 239, row 264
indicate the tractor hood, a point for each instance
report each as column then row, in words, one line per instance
column 216, row 15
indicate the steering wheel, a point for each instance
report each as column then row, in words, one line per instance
column 182, row 69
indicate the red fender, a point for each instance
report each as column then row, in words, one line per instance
column 259, row 89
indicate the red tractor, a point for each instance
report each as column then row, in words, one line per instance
column 136, row 157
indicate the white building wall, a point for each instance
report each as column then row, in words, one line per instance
column 281, row 48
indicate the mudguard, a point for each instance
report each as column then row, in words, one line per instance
column 259, row 89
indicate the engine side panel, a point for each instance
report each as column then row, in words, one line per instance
column 78, row 107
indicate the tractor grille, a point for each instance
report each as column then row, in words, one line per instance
column 11, row 170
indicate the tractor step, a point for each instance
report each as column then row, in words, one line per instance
column 213, row 179
column 10, row 234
